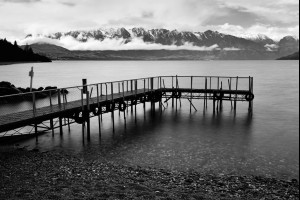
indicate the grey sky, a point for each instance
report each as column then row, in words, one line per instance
column 275, row 18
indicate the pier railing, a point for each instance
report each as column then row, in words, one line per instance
column 61, row 97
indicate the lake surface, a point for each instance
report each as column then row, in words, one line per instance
column 266, row 143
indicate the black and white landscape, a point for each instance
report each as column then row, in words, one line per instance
column 149, row 99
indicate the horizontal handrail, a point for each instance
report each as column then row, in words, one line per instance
column 243, row 77
column 121, row 81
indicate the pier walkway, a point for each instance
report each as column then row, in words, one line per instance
column 78, row 104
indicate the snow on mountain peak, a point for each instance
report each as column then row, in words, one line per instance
column 253, row 37
column 165, row 37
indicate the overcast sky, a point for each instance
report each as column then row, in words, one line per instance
column 275, row 18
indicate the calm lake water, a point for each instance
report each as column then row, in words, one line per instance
column 266, row 143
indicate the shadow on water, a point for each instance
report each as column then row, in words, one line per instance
column 175, row 139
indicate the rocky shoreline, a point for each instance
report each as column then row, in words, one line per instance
column 55, row 175
column 21, row 94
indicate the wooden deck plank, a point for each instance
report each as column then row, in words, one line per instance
column 19, row 119
column 14, row 119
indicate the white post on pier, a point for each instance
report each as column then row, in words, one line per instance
column 31, row 77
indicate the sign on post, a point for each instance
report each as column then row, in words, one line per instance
column 31, row 73
column 84, row 86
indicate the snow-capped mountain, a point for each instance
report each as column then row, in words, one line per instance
column 164, row 37
column 260, row 38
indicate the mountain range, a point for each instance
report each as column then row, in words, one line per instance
column 191, row 45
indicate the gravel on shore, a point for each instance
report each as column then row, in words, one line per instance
column 54, row 175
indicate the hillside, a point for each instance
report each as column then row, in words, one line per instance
column 52, row 51
column 13, row 53
column 294, row 56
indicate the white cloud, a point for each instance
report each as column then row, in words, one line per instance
column 231, row 49
column 275, row 33
column 271, row 47
column 39, row 39
column 113, row 44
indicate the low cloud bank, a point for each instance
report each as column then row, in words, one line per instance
column 271, row 47
column 70, row 43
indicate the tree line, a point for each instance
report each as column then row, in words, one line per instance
column 13, row 53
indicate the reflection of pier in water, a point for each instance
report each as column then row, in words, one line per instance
column 47, row 110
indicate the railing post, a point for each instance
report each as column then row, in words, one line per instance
column 176, row 90
column 99, row 111
column 252, row 84
column 59, row 118
column 136, row 86
column 119, row 91
column 127, row 85
column 112, row 90
column 33, row 104
column 51, row 120
column 210, row 85
column 151, row 83
column 229, row 85
column 112, row 101
column 221, row 100
column 82, row 111
column 214, row 103
column 34, row 115
column 144, row 94
column 101, row 89
column 101, row 94
column 84, row 86
column 205, row 96
column 236, row 88
column 106, row 91
column 66, row 104
column 135, row 100
column 50, row 99
column 252, row 92
column 63, row 103
column 191, row 94
column 160, row 82
column 172, row 92
column 123, row 89
column 126, row 105
column 88, row 115
column 249, row 82
column 151, row 88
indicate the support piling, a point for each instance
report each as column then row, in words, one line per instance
column 60, row 118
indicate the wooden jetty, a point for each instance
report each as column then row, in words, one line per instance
column 78, row 104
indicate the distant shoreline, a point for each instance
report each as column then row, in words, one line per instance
column 21, row 62
column 11, row 63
